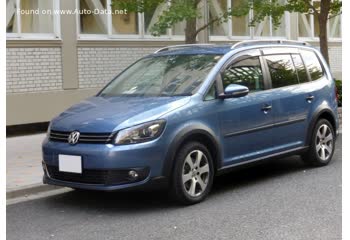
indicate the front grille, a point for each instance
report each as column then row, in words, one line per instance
column 106, row 177
column 60, row 136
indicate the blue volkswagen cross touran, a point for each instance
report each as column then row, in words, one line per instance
column 186, row 113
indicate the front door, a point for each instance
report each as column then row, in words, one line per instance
column 246, row 122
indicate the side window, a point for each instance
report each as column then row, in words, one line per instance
column 211, row 94
column 282, row 70
column 245, row 72
column 312, row 64
column 300, row 67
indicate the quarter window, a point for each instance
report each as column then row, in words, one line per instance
column 312, row 64
column 246, row 72
column 282, row 70
column 211, row 95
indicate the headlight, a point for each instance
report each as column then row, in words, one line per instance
column 140, row 133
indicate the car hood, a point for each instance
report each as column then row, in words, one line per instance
column 108, row 114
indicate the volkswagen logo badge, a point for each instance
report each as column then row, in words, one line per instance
column 73, row 137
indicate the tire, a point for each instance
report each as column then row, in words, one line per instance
column 193, row 174
column 322, row 144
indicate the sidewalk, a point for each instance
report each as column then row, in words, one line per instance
column 23, row 161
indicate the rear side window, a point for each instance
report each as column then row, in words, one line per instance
column 282, row 70
column 312, row 64
column 300, row 67
column 245, row 72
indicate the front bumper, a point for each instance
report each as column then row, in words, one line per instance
column 147, row 184
column 105, row 166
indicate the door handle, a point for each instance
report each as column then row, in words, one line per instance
column 310, row 98
column 266, row 108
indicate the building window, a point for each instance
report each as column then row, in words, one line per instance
column 32, row 19
column 309, row 27
column 128, row 25
column 151, row 17
column 91, row 23
column 116, row 23
column 335, row 27
column 239, row 27
column 125, row 23
column 179, row 29
column 267, row 29
column 216, row 9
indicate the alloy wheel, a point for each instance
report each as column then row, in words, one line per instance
column 324, row 142
column 195, row 173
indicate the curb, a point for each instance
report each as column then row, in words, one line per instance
column 29, row 190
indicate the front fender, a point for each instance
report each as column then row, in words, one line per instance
column 184, row 134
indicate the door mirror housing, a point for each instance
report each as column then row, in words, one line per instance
column 234, row 91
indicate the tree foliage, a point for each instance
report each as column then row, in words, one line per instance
column 273, row 8
column 188, row 11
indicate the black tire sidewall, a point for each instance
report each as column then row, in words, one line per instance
column 178, row 189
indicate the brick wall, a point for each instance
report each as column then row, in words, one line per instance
column 33, row 70
column 97, row 66
column 335, row 58
column 340, row 116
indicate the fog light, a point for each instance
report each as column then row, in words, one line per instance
column 133, row 174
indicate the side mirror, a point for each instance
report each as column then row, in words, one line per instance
column 234, row 91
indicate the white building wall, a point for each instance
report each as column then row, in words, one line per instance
column 33, row 70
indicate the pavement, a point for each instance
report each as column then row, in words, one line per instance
column 23, row 162
column 278, row 199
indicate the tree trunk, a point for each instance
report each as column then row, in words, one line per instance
column 323, row 36
column 190, row 31
column 191, row 24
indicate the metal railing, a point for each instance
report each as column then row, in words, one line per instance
column 182, row 46
column 237, row 45
column 262, row 42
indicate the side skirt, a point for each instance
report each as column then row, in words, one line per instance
column 291, row 152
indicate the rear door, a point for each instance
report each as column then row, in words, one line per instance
column 290, row 82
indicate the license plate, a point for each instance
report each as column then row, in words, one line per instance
column 69, row 163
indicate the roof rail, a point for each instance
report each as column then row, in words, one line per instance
column 182, row 46
column 260, row 42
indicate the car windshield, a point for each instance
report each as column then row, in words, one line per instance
column 171, row 75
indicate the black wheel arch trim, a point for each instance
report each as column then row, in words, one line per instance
column 185, row 134
column 319, row 111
